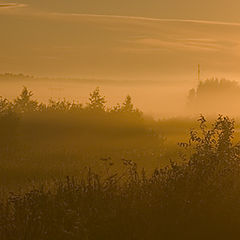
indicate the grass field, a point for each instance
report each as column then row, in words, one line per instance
column 69, row 171
column 78, row 195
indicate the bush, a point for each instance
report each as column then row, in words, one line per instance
column 196, row 199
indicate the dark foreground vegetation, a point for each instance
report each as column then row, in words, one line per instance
column 196, row 198
column 41, row 141
column 111, row 192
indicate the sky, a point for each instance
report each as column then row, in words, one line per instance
column 161, row 40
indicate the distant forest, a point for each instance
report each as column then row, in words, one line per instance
column 24, row 103
column 215, row 96
column 26, row 77
column 211, row 96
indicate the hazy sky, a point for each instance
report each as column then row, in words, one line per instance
column 132, row 39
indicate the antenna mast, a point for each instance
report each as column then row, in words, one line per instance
column 199, row 73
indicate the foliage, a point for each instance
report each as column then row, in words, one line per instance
column 30, row 129
column 195, row 199
column 24, row 103
column 96, row 101
column 215, row 96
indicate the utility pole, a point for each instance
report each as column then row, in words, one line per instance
column 199, row 73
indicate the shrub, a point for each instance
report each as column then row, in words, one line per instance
column 196, row 199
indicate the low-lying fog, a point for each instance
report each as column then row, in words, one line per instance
column 152, row 98
column 160, row 99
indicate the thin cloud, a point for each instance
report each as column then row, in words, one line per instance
column 74, row 15
column 148, row 45
column 11, row 5
column 80, row 16
column 153, row 40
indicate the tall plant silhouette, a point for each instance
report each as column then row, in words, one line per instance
column 24, row 102
column 96, row 101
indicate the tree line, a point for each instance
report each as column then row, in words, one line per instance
column 25, row 103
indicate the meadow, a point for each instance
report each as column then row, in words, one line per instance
column 75, row 171
column 42, row 141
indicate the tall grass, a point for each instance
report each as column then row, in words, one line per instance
column 195, row 198
column 43, row 141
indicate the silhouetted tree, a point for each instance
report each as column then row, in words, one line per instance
column 63, row 106
column 24, row 103
column 4, row 105
column 96, row 101
column 59, row 106
column 127, row 105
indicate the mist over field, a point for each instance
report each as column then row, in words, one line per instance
column 156, row 98
column 148, row 95
column 119, row 119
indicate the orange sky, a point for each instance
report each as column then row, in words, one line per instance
column 120, row 39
